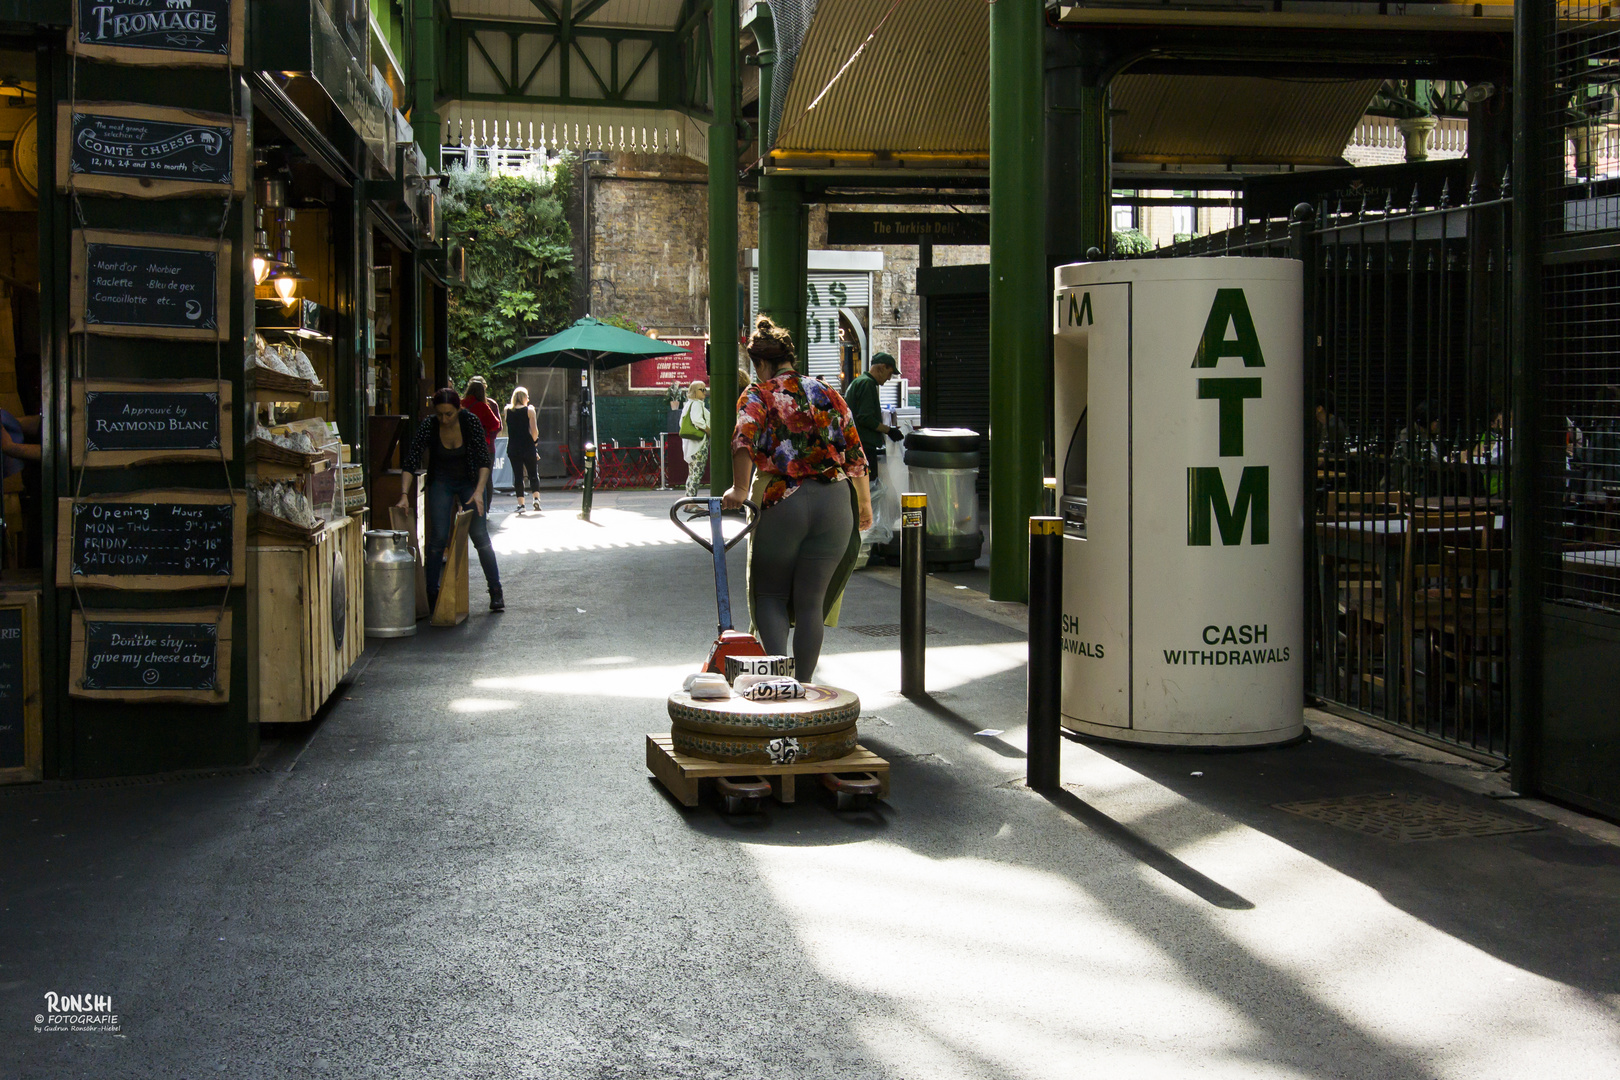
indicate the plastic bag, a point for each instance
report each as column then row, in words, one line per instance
column 885, row 511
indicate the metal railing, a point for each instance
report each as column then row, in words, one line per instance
column 1408, row 454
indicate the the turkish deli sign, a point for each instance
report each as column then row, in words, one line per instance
column 682, row 367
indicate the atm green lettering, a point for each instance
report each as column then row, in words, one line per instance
column 1229, row 309
column 1206, row 499
column 1080, row 313
column 1231, row 394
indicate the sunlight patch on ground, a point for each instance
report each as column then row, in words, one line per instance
column 978, row 968
column 981, row 969
column 1388, row 969
column 560, row 529
column 650, row 682
column 949, row 666
column 481, row 705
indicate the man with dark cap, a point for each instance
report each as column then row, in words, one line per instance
column 862, row 397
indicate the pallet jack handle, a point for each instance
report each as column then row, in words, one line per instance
column 718, row 545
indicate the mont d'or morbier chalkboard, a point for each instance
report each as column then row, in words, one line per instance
column 185, row 26
column 150, row 655
column 117, row 420
column 141, row 148
column 139, row 539
column 153, row 288
column 13, row 692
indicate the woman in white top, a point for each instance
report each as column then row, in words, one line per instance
column 695, row 435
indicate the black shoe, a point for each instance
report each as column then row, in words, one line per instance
column 497, row 602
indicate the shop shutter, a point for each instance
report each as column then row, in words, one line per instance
column 828, row 291
column 956, row 368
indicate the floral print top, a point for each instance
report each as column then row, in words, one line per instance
column 796, row 427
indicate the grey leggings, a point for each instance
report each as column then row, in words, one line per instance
column 797, row 547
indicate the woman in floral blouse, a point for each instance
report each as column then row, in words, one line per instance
column 812, row 490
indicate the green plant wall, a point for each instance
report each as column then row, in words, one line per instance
column 520, row 266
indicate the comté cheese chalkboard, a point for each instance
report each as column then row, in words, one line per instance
column 151, row 655
column 149, row 152
column 21, row 745
column 152, row 540
column 128, row 284
column 158, row 32
column 137, row 421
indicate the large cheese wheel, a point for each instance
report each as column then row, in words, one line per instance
column 764, row 750
column 822, row 709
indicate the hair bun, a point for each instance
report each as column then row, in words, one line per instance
column 764, row 325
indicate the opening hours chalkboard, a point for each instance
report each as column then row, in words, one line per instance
column 132, row 422
column 158, row 32
column 129, row 284
column 152, row 540
column 149, row 152
column 151, row 655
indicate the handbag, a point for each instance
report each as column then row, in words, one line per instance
column 690, row 430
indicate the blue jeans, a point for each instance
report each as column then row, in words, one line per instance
column 444, row 499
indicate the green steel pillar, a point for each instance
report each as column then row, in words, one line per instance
column 783, row 237
column 725, row 93
column 781, row 250
column 1019, row 290
column 424, row 82
column 1077, row 151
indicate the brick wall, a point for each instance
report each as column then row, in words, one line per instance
column 649, row 262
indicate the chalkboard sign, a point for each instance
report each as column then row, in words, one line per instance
column 128, row 284
column 152, row 540
column 20, row 745
column 145, row 420
column 159, row 32
column 149, row 152
column 151, row 655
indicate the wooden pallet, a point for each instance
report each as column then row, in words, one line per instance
column 684, row 775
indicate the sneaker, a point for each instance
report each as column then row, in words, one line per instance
column 497, row 602
column 537, row 504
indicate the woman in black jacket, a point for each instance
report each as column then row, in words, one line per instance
column 450, row 447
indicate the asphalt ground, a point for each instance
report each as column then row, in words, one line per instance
column 464, row 870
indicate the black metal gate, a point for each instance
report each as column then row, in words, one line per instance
column 1408, row 435
column 1571, row 57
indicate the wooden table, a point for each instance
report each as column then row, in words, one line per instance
column 1380, row 542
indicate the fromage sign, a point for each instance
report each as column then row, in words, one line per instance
column 158, row 31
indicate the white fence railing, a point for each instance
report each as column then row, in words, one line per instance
column 519, row 137
column 1378, row 140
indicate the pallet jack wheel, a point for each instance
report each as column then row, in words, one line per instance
column 742, row 792
column 853, row 790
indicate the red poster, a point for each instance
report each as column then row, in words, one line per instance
column 911, row 360
column 684, row 368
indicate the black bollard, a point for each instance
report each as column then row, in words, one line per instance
column 1045, row 651
column 588, row 483
column 913, row 598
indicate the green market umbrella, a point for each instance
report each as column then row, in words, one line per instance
column 591, row 344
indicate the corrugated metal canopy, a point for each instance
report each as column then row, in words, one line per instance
column 1207, row 119
column 922, row 87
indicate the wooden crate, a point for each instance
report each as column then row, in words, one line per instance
column 308, row 638
column 684, row 775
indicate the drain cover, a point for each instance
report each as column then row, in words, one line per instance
column 1406, row 818
column 888, row 629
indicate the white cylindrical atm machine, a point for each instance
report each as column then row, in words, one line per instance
column 1180, row 427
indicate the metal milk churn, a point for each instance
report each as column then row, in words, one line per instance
column 390, row 584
